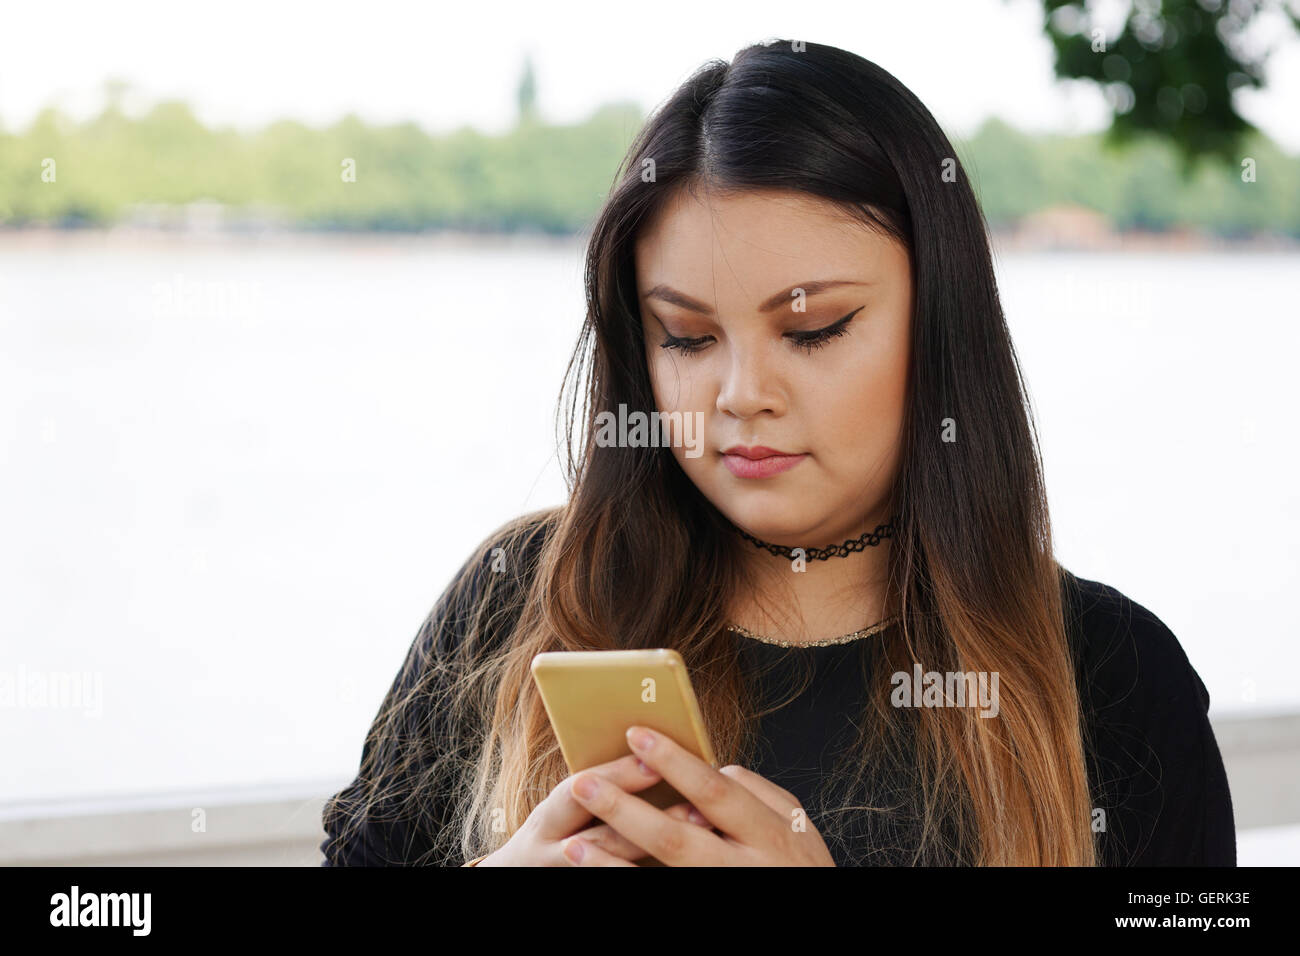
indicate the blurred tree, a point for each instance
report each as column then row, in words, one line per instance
column 527, row 94
column 1171, row 70
column 549, row 177
column 115, row 90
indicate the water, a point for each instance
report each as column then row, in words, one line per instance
column 233, row 505
column 1164, row 392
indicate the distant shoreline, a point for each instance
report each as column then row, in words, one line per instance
column 1004, row 240
column 146, row 237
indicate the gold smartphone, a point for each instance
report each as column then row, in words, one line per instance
column 592, row 697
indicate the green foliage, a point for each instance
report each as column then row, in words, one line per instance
column 551, row 178
column 1170, row 72
column 1140, row 185
column 537, row 176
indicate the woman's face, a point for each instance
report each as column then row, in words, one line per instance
column 718, row 272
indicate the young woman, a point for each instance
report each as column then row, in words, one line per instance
column 793, row 260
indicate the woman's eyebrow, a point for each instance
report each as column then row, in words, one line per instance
column 672, row 296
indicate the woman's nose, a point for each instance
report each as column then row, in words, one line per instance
column 750, row 384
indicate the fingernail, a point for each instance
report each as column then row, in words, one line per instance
column 641, row 765
column 640, row 739
column 697, row 817
column 585, row 787
column 574, row 850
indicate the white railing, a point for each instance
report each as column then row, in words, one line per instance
column 281, row 826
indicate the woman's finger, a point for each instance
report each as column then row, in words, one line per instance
column 733, row 807
column 778, row 798
column 666, row 838
column 561, row 814
column 613, row 842
column 589, row 854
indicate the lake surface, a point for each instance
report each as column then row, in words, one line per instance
column 236, row 477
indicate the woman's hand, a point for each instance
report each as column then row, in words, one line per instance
column 561, row 824
column 761, row 824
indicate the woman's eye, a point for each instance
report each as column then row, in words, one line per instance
column 807, row 341
column 819, row 337
column 685, row 346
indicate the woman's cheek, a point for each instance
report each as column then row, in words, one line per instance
column 668, row 382
column 676, row 391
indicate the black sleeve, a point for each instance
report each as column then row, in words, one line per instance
column 367, row 826
column 1155, row 764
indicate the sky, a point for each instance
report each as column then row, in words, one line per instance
column 444, row 65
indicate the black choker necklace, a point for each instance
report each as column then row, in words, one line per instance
column 868, row 540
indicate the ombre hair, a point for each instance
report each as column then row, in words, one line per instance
column 639, row 558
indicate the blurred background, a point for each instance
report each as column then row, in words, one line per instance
column 286, row 294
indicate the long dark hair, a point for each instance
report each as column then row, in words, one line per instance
column 639, row 558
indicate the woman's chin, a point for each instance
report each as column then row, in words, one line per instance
column 777, row 528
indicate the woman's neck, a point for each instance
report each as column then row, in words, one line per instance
column 826, row 599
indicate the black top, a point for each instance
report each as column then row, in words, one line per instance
column 1153, row 764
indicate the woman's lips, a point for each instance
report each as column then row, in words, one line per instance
column 764, row 467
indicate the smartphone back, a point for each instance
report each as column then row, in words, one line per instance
column 592, row 697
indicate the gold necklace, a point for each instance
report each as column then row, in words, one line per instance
column 844, row 639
